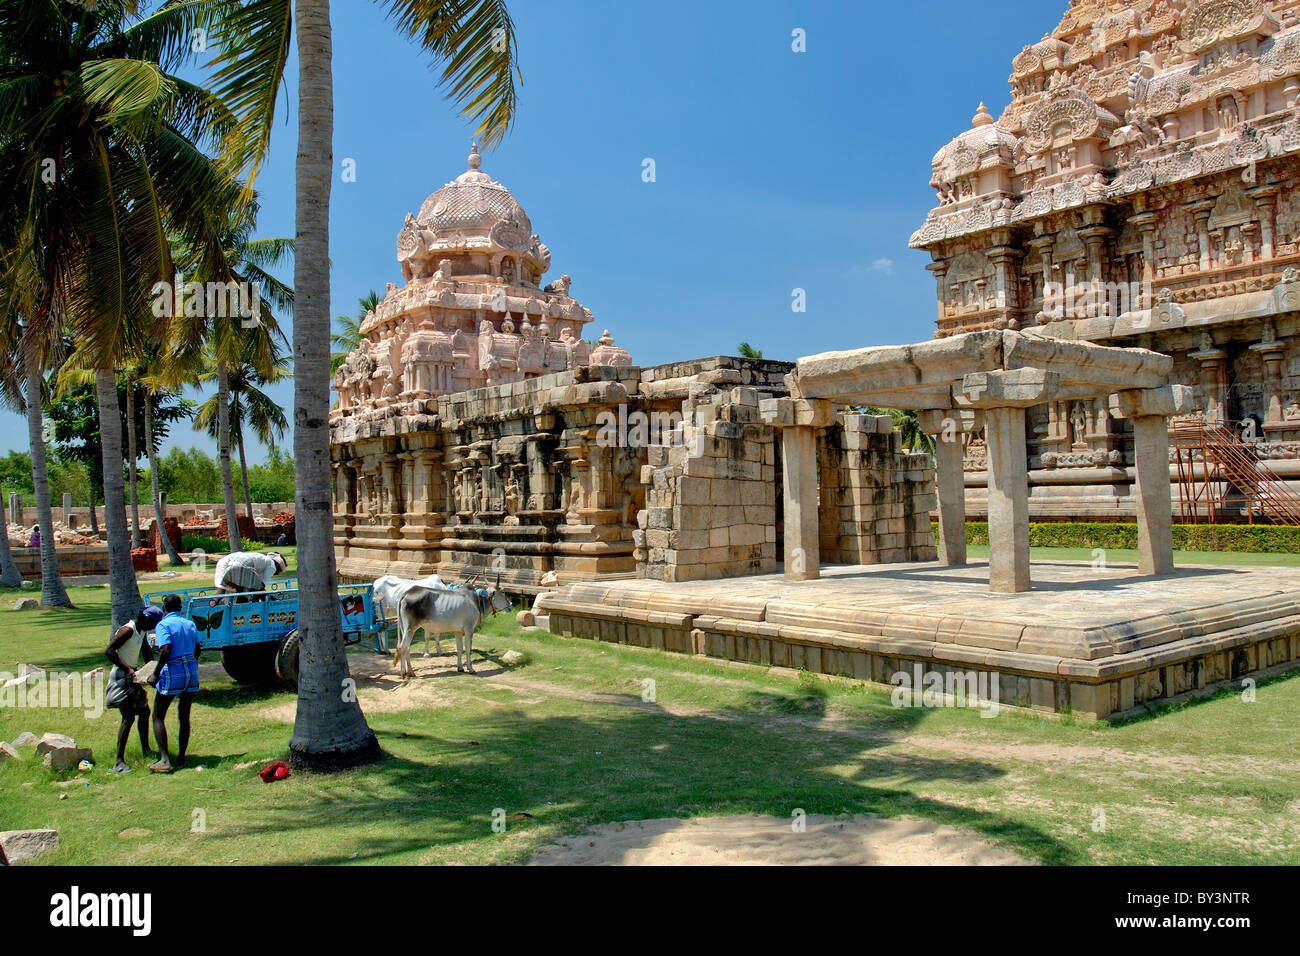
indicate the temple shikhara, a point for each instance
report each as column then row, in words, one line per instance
column 1140, row 189
column 1116, row 259
column 473, row 311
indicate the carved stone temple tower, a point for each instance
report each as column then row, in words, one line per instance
column 472, row 311
column 1140, row 189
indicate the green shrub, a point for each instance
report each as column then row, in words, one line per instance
column 203, row 542
column 1259, row 538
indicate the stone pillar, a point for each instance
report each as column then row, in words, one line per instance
column 1004, row 396
column 1212, row 367
column 16, row 508
column 947, row 426
column 1150, row 409
column 799, row 461
column 939, row 269
column 1265, row 198
column 1008, row 500
column 799, row 420
column 1273, row 354
column 1201, row 213
column 67, row 509
column 1146, row 223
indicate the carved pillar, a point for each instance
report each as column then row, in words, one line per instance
column 1213, row 366
column 1006, row 279
column 1043, row 246
column 1201, row 212
column 1273, row 354
column 1146, row 227
column 1265, row 198
column 940, row 271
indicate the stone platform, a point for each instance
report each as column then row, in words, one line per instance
column 1098, row 642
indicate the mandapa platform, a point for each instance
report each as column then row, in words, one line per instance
column 1095, row 641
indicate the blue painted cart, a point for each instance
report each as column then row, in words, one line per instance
column 257, row 631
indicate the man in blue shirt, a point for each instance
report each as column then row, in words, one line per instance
column 177, row 676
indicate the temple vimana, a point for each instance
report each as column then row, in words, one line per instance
column 1140, row 189
column 1116, row 260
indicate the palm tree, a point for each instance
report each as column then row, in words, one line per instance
column 225, row 344
column 474, row 41
column 250, row 407
column 101, row 158
column 745, row 350
column 10, row 576
column 348, row 339
column 18, row 381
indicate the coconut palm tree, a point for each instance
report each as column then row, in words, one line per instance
column 348, row 339
column 250, row 408
column 215, row 346
column 473, row 40
column 19, row 380
column 101, row 159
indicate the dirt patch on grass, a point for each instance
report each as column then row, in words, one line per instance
column 753, row 840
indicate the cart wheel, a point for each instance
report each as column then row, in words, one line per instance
column 286, row 658
column 251, row 663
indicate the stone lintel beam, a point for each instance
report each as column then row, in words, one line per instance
column 931, row 396
column 1103, row 367
column 1144, row 402
column 795, row 412
column 936, row 421
column 1014, row 388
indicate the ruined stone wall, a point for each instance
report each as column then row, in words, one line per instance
column 711, row 497
column 518, row 479
column 876, row 498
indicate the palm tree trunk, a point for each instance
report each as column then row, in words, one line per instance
column 9, row 575
column 53, row 594
column 329, row 731
column 131, row 455
column 223, row 447
column 159, row 518
column 94, row 517
column 123, row 590
column 243, row 473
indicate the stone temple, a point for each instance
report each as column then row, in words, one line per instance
column 1140, row 189
column 1116, row 260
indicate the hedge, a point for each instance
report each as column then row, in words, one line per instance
column 1187, row 537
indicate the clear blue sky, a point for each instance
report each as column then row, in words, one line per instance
column 776, row 170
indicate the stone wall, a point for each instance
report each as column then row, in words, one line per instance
column 711, row 497
column 876, row 498
column 520, row 479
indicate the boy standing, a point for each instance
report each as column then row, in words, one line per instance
column 177, row 676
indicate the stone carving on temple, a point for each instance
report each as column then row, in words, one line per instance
column 1141, row 186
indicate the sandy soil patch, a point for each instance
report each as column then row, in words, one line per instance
column 752, row 840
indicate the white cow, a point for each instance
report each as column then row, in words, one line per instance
column 390, row 589
column 440, row 609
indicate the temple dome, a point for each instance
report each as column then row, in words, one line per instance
column 473, row 203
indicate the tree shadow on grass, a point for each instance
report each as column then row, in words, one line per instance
column 570, row 772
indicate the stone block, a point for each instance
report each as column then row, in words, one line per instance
column 67, row 758
column 17, row 846
column 50, row 742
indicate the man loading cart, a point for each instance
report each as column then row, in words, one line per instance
column 246, row 571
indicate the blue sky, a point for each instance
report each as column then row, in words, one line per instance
column 775, row 170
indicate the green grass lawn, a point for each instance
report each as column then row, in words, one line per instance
column 563, row 740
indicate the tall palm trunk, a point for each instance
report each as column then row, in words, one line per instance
column 94, row 515
column 329, row 730
column 132, row 473
column 9, row 574
column 223, row 447
column 243, row 473
column 53, row 594
column 159, row 518
column 123, row 590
